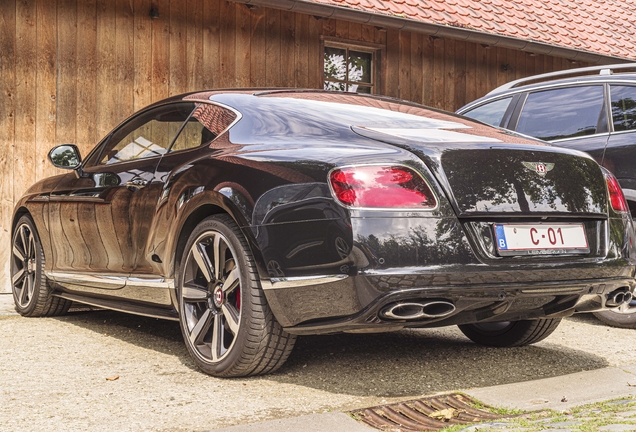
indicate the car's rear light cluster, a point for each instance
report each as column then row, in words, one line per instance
column 381, row 186
column 617, row 199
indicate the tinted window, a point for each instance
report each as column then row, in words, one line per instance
column 491, row 113
column 206, row 123
column 561, row 113
column 623, row 107
column 148, row 134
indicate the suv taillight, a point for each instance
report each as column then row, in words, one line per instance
column 617, row 199
column 381, row 186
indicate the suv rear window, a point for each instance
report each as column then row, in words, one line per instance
column 623, row 107
column 491, row 113
column 561, row 113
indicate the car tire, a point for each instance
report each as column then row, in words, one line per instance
column 626, row 319
column 32, row 294
column 226, row 323
column 510, row 333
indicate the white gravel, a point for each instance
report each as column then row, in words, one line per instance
column 54, row 372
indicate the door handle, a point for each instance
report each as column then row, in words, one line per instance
column 136, row 184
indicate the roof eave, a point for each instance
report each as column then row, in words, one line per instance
column 438, row 30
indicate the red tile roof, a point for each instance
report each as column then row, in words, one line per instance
column 605, row 27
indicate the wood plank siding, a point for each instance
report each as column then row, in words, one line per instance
column 71, row 70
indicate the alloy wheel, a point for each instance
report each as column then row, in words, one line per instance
column 24, row 265
column 211, row 297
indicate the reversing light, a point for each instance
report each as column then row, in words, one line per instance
column 381, row 186
column 617, row 199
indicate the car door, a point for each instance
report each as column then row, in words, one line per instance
column 193, row 163
column 572, row 117
column 620, row 155
column 100, row 216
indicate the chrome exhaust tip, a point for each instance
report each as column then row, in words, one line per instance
column 617, row 298
column 418, row 310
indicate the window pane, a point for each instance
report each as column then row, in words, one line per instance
column 359, row 88
column 561, row 113
column 335, row 86
column 335, row 63
column 491, row 113
column 146, row 135
column 207, row 122
column 623, row 107
column 360, row 66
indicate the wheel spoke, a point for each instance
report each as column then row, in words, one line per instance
column 17, row 277
column 203, row 261
column 231, row 317
column 219, row 256
column 25, row 245
column 232, row 281
column 25, row 291
column 18, row 253
column 201, row 329
column 31, row 248
column 623, row 308
column 193, row 293
column 217, row 337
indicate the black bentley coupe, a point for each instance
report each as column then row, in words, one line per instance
column 253, row 216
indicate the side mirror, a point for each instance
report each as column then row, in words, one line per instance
column 65, row 156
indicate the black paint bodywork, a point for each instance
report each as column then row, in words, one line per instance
column 113, row 234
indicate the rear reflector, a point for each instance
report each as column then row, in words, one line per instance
column 617, row 199
column 378, row 186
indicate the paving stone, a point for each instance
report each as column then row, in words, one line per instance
column 617, row 428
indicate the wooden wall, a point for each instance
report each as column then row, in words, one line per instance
column 70, row 70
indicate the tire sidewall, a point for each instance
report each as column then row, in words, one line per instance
column 246, row 285
column 616, row 319
column 39, row 274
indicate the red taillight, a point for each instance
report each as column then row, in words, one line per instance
column 617, row 199
column 374, row 186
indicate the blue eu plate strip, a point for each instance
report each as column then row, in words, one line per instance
column 501, row 237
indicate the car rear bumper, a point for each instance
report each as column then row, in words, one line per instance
column 354, row 304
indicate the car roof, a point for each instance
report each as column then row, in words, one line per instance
column 591, row 75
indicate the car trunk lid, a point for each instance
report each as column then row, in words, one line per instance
column 485, row 176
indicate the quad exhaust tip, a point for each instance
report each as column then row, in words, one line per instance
column 619, row 297
column 417, row 310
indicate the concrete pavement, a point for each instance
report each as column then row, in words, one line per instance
column 557, row 393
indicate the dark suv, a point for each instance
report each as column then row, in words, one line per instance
column 592, row 109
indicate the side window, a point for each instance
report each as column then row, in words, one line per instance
column 561, row 113
column 206, row 123
column 491, row 113
column 623, row 107
column 148, row 134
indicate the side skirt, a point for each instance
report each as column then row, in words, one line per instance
column 122, row 306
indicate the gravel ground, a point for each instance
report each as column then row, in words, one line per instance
column 108, row 371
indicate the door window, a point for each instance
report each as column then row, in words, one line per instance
column 146, row 135
column 491, row 113
column 561, row 113
column 623, row 107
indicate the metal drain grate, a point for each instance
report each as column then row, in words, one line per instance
column 431, row 413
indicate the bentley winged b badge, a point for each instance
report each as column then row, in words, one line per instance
column 540, row 168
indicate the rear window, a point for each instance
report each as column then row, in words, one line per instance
column 623, row 107
column 491, row 113
column 561, row 113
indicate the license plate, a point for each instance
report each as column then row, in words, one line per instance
column 540, row 239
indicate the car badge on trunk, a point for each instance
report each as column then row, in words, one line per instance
column 540, row 168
